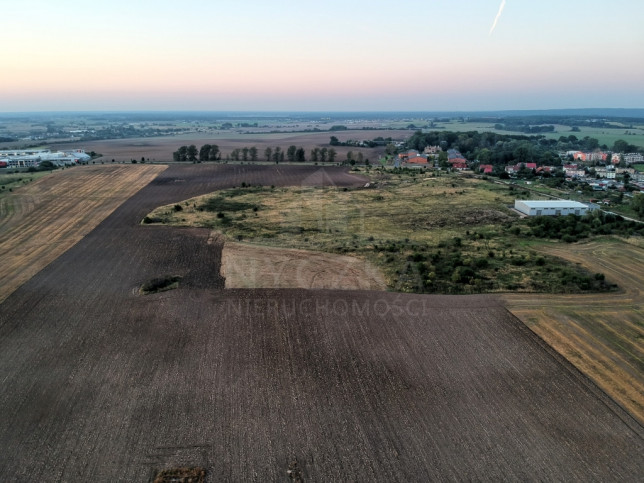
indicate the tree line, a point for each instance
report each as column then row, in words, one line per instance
column 502, row 149
column 293, row 154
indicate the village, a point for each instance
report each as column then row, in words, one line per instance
column 600, row 171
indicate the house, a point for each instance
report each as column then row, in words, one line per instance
column 418, row 160
column 486, row 168
column 551, row 207
column 605, row 173
column 432, row 150
column 545, row 169
column 596, row 156
column 630, row 171
column 412, row 153
column 633, row 158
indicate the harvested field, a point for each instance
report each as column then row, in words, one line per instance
column 161, row 148
column 103, row 384
column 252, row 266
column 41, row 220
column 601, row 334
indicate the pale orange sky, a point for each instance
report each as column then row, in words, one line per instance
column 410, row 55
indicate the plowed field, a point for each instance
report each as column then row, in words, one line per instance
column 100, row 383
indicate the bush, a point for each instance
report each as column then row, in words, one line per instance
column 160, row 284
column 178, row 208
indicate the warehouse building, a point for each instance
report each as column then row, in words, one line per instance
column 551, row 207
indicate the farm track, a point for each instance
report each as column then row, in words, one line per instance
column 101, row 384
column 601, row 334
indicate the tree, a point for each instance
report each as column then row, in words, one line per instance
column 334, row 141
column 204, row 152
column 323, row 154
column 637, row 204
column 235, row 154
column 390, row 149
column 331, row 155
column 245, row 153
column 315, row 154
column 192, row 152
column 350, row 158
column 290, row 153
column 214, row 153
column 268, row 153
column 621, row 146
column 253, row 153
column 181, row 154
column 442, row 159
column 300, row 155
column 360, row 157
column 277, row 154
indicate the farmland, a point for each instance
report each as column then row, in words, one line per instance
column 102, row 383
column 45, row 217
column 601, row 335
column 632, row 135
column 161, row 149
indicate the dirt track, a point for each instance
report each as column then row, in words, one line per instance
column 100, row 384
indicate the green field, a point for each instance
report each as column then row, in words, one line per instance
column 603, row 135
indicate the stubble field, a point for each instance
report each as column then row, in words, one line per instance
column 41, row 220
column 100, row 383
column 602, row 335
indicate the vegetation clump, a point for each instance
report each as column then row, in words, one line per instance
column 182, row 474
column 572, row 228
column 160, row 284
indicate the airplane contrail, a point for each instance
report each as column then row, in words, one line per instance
column 498, row 16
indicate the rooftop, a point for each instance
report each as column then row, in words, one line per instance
column 553, row 203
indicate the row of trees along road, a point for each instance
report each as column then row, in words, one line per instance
column 293, row 154
column 208, row 152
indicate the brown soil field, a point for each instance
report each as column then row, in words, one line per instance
column 251, row 266
column 100, row 383
column 601, row 334
column 41, row 220
column 160, row 149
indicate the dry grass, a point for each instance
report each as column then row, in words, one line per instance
column 602, row 335
column 252, row 266
column 41, row 220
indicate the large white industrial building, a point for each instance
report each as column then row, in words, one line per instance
column 551, row 207
column 33, row 157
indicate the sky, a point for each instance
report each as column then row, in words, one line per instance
column 306, row 55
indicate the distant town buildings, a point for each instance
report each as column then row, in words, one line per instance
column 25, row 158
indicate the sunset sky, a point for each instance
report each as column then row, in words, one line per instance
column 312, row 55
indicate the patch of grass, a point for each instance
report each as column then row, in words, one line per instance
column 160, row 284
